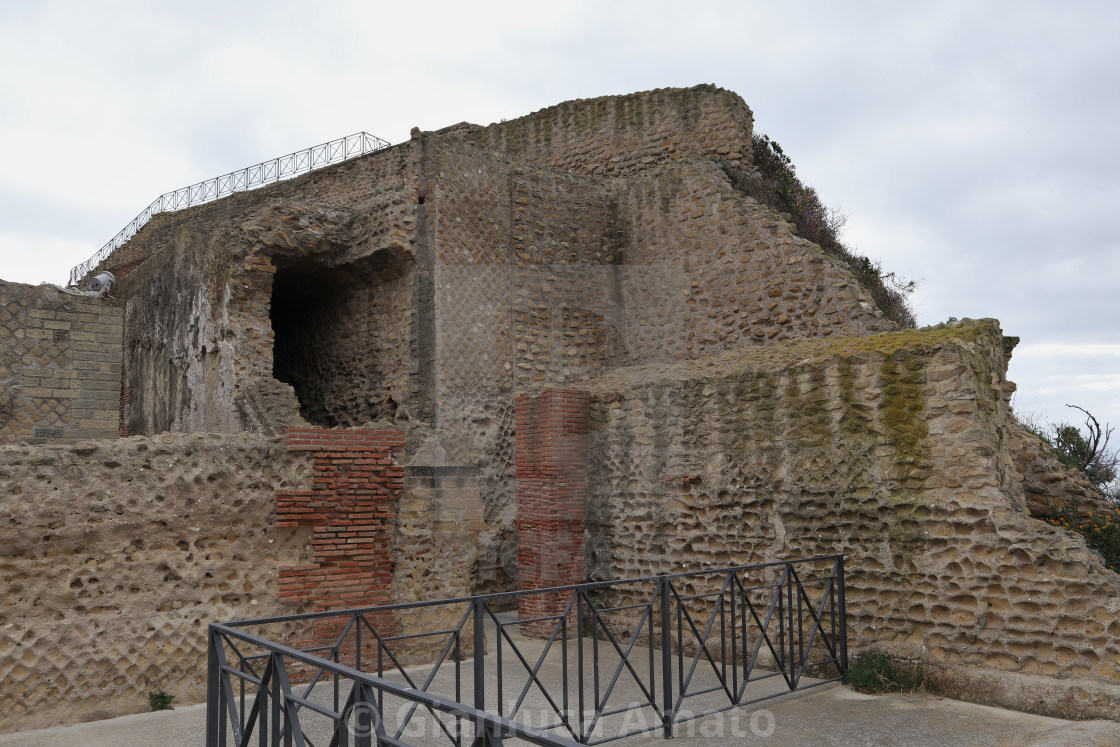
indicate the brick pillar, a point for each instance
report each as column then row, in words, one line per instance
column 551, row 498
column 352, row 509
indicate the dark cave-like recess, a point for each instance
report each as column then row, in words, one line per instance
column 341, row 336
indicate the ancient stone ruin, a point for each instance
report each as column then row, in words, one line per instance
column 557, row 348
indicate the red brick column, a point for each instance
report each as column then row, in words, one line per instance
column 352, row 507
column 551, row 498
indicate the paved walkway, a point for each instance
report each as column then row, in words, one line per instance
column 830, row 715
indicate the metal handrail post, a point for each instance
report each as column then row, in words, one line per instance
column 213, row 691
column 666, row 656
column 794, row 633
column 278, row 699
column 365, row 719
column 843, row 619
column 492, row 735
column 479, row 661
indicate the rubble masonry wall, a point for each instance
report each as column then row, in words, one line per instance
column 617, row 135
column 893, row 448
column 118, row 554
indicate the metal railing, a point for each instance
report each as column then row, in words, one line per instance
column 612, row 651
column 247, row 178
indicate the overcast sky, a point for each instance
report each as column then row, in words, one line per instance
column 972, row 145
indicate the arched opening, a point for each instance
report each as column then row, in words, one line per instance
column 342, row 337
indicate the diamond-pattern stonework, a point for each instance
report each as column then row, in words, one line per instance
column 60, row 365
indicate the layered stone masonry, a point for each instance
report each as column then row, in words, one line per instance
column 618, row 135
column 60, row 365
column 893, row 448
column 116, row 554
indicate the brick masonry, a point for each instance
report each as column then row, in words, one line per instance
column 357, row 484
column 60, row 365
column 551, row 499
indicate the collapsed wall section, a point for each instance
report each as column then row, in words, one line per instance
column 342, row 338
column 60, row 365
column 617, row 135
column 707, row 270
column 892, row 448
column 199, row 343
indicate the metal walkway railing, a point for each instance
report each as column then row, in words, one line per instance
column 621, row 658
column 247, row 178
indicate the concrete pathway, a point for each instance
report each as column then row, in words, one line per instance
column 830, row 715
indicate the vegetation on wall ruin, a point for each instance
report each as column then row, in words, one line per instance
column 773, row 181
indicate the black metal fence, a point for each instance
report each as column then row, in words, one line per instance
column 615, row 659
column 249, row 177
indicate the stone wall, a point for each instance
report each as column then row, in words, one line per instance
column 893, row 448
column 118, row 554
column 432, row 282
column 198, row 330
column 617, row 135
column 60, row 365
column 524, row 276
column 706, row 270
column 1049, row 485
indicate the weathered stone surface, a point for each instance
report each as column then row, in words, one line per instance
column 114, row 562
column 747, row 405
column 892, row 448
column 60, row 366
column 1049, row 485
column 117, row 554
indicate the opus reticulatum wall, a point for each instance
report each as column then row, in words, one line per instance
column 746, row 401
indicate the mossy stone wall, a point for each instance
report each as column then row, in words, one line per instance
column 892, row 448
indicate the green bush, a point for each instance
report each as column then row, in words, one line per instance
column 1101, row 531
column 160, row 701
column 879, row 673
column 773, row 181
column 1084, row 450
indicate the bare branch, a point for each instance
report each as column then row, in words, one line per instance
column 1094, row 444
